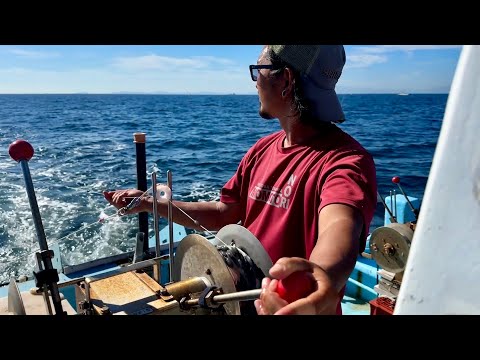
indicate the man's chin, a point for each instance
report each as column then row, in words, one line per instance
column 265, row 115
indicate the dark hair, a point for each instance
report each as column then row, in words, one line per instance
column 300, row 105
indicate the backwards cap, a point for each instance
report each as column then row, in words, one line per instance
column 320, row 67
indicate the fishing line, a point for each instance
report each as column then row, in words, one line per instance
column 121, row 212
column 197, row 223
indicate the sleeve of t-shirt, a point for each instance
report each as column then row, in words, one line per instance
column 350, row 180
column 231, row 191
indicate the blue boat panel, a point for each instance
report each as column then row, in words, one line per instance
column 179, row 233
column 403, row 211
column 360, row 284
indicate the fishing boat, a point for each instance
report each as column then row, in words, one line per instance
column 180, row 272
column 176, row 272
column 188, row 274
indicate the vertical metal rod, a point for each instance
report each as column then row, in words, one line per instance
column 57, row 301
column 395, row 202
column 170, row 225
column 391, row 202
column 87, row 290
column 141, row 162
column 156, row 270
column 138, row 255
column 392, row 218
column 45, row 295
column 37, row 220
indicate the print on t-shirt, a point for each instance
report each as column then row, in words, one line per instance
column 273, row 195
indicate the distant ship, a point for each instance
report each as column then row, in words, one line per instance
column 403, row 94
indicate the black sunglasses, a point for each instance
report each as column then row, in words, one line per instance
column 254, row 70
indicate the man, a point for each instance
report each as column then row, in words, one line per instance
column 307, row 191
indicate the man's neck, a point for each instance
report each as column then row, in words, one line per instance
column 300, row 134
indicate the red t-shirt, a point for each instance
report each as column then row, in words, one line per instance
column 282, row 190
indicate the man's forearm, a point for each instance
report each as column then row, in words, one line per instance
column 195, row 215
column 338, row 241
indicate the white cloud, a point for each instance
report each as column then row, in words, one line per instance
column 32, row 54
column 391, row 48
column 364, row 56
column 157, row 62
column 419, row 47
column 364, row 60
column 215, row 60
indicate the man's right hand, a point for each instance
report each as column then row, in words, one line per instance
column 322, row 299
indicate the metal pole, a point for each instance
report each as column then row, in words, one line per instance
column 21, row 151
column 170, row 225
column 396, row 180
column 395, row 211
column 57, row 301
column 139, row 140
column 37, row 220
column 236, row 296
column 124, row 269
column 44, row 286
column 157, row 274
column 392, row 218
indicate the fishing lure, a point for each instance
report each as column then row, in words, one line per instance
column 133, row 204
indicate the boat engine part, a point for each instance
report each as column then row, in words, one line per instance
column 390, row 245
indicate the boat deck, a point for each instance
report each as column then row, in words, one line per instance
column 359, row 290
column 352, row 306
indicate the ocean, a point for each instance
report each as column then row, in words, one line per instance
column 84, row 144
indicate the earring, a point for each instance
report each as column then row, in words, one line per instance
column 284, row 92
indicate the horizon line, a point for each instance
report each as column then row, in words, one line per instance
column 213, row 94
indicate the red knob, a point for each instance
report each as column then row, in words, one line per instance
column 20, row 150
column 396, row 180
column 296, row 286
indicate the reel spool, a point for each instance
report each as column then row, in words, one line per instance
column 390, row 245
column 236, row 235
column 220, row 262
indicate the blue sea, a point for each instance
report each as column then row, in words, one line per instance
column 84, row 144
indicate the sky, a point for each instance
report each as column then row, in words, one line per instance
column 210, row 69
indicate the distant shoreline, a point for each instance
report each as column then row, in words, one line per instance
column 198, row 94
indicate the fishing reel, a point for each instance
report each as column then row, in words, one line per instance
column 221, row 276
column 390, row 246
column 234, row 261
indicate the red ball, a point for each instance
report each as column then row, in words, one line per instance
column 395, row 179
column 20, row 150
column 296, row 286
